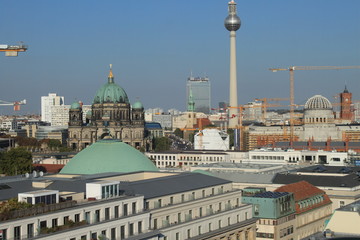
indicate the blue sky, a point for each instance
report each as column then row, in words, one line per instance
column 155, row 44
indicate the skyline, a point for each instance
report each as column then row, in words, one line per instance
column 154, row 47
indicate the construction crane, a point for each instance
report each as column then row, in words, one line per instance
column 292, row 96
column 265, row 104
column 15, row 104
column 13, row 50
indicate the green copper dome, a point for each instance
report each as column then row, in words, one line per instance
column 137, row 105
column 111, row 92
column 108, row 155
column 75, row 105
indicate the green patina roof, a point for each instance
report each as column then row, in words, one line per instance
column 111, row 93
column 137, row 105
column 75, row 105
column 108, row 155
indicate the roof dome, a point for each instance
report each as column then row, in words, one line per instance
column 75, row 105
column 137, row 105
column 108, row 155
column 111, row 92
column 317, row 102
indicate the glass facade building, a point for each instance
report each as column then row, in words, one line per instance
column 201, row 93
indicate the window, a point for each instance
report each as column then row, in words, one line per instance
column 17, row 232
column 125, row 210
column 4, row 233
column 30, row 230
column 155, row 223
column 189, row 233
column 171, row 200
column 43, row 224
column 140, row 227
column 177, row 236
column 83, row 237
column 107, row 213
column 66, row 219
column 113, row 234
column 131, row 229
column 342, row 203
column 199, row 230
column 77, row 217
column 179, row 217
column 133, row 207
column 182, row 197
column 54, row 222
column 94, row 235
column 97, row 216
column 200, row 212
column 116, row 211
column 122, row 232
column 87, row 217
column 203, row 193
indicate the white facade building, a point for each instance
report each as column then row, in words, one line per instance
column 140, row 205
column 211, row 139
column 47, row 102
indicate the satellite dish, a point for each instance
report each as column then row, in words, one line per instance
column 41, row 173
column 27, row 175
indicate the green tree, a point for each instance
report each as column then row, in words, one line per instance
column 179, row 133
column 231, row 137
column 27, row 142
column 162, row 144
column 16, row 161
column 54, row 144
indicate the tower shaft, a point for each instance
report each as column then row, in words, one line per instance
column 233, row 99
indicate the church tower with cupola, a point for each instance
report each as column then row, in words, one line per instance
column 111, row 115
column 75, row 115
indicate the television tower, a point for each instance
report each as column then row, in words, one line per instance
column 232, row 24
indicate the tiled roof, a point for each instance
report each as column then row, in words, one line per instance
column 303, row 190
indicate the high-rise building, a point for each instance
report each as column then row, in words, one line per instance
column 201, row 93
column 47, row 102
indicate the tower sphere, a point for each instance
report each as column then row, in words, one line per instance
column 232, row 22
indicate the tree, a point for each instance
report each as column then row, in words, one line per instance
column 179, row 133
column 16, row 161
column 162, row 144
column 231, row 136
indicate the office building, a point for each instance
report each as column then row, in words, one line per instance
column 201, row 93
column 47, row 102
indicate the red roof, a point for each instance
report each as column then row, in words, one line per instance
column 204, row 122
column 303, row 190
column 49, row 168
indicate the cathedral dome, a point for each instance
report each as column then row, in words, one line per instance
column 111, row 93
column 75, row 105
column 318, row 102
column 137, row 105
column 108, row 155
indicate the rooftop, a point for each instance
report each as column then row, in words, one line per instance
column 271, row 194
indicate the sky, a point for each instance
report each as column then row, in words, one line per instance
column 154, row 46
